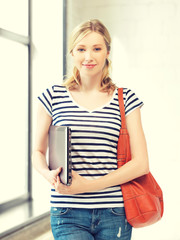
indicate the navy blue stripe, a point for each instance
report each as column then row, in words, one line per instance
column 117, row 110
column 94, row 163
column 91, row 197
column 60, row 91
column 84, row 131
column 59, row 120
column 59, row 97
column 94, row 169
column 127, row 99
column 86, row 121
column 103, row 193
column 86, row 203
column 86, row 137
column 88, row 116
column 117, row 105
column 130, row 103
column 47, row 100
column 135, row 106
column 108, row 113
column 92, row 144
column 95, row 157
column 96, row 126
column 128, row 90
column 57, row 103
column 93, row 175
column 45, row 105
column 49, row 93
column 60, row 86
column 66, row 107
column 70, row 112
column 93, row 151
column 97, row 193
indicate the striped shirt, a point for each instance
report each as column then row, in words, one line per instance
column 94, row 137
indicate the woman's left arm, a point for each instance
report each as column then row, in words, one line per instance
column 137, row 167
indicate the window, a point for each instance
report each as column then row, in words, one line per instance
column 15, row 62
column 14, row 119
column 14, row 16
column 18, row 95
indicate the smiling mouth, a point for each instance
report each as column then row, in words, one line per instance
column 89, row 65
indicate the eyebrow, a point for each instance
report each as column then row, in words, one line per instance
column 95, row 45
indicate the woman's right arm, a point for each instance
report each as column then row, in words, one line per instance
column 41, row 144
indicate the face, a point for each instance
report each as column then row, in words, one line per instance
column 90, row 55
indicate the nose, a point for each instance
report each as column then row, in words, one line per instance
column 88, row 55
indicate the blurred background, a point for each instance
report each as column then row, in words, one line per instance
column 145, row 57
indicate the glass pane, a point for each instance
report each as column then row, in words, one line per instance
column 14, row 16
column 14, row 119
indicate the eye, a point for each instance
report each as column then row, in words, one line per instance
column 97, row 49
column 80, row 49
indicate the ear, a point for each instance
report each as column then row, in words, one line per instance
column 108, row 54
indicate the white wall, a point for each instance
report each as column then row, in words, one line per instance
column 146, row 57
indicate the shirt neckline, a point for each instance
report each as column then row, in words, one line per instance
column 93, row 110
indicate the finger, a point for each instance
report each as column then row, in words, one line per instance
column 53, row 181
column 60, row 188
column 58, row 170
column 58, row 180
column 53, row 184
column 74, row 173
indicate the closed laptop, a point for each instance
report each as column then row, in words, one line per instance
column 60, row 151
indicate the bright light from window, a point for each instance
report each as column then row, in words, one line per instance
column 14, row 16
column 13, row 121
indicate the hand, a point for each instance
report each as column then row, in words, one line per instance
column 79, row 185
column 51, row 175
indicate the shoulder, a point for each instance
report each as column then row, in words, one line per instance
column 58, row 88
column 127, row 92
column 131, row 100
column 51, row 95
column 55, row 90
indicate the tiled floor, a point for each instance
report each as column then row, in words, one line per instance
column 29, row 221
column 21, row 216
column 45, row 236
column 39, row 230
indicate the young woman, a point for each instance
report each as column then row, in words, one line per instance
column 92, row 206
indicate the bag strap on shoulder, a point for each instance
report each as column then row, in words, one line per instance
column 121, row 106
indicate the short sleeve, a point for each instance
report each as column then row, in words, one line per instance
column 131, row 101
column 46, row 99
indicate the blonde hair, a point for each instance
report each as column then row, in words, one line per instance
column 77, row 35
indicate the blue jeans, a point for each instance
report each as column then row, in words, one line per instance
column 90, row 224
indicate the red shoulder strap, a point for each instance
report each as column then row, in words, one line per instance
column 121, row 106
column 123, row 147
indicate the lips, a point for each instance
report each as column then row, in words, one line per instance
column 90, row 66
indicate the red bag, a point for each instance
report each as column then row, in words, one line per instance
column 143, row 198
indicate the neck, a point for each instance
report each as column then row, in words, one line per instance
column 89, row 84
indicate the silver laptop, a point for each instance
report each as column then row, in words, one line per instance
column 60, row 151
